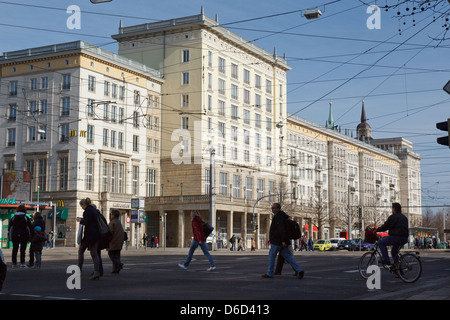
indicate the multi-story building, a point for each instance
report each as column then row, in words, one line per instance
column 336, row 173
column 86, row 123
column 220, row 91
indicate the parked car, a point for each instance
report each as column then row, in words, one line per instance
column 335, row 242
column 364, row 245
column 349, row 245
column 322, row 245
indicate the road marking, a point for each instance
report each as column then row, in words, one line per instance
column 351, row 271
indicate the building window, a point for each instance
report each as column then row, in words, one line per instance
column 31, row 133
column 12, row 112
column 64, row 134
column 63, row 173
column 13, row 88
column 11, row 137
column 121, row 178
column 135, row 143
column 185, row 79
column 223, row 183
column 42, row 174
column 135, row 180
column 185, row 57
column 236, row 186
column 66, row 82
column 91, row 83
column 89, row 173
column 105, row 176
column 65, row 111
column 151, row 183
column 90, row 134
column 222, row 65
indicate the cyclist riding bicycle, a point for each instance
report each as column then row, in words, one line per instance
column 397, row 224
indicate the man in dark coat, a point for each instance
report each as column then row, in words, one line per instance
column 397, row 224
column 19, row 232
column 279, row 242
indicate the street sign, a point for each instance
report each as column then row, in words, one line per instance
column 137, row 216
column 138, row 203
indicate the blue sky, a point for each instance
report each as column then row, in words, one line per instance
column 400, row 76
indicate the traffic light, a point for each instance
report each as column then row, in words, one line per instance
column 445, row 126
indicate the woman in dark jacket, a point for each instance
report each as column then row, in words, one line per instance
column 199, row 240
column 19, row 233
column 91, row 236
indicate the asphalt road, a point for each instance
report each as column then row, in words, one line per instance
column 154, row 275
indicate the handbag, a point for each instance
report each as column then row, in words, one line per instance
column 207, row 229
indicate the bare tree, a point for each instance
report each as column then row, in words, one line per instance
column 410, row 12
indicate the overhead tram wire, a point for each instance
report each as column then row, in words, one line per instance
column 364, row 70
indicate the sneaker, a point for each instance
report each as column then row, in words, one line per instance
column 182, row 266
column 211, row 268
column 265, row 275
column 23, row 265
column 301, row 274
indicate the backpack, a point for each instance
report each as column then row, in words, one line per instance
column 293, row 229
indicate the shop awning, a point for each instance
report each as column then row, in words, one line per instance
column 61, row 213
column 306, row 228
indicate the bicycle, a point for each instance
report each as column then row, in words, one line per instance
column 408, row 266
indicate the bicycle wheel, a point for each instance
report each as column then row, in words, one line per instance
column 367, row 259
column 409, row 267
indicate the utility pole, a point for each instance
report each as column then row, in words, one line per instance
column 212, row 192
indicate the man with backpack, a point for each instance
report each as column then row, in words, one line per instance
column 19, row 233
column 279, row 242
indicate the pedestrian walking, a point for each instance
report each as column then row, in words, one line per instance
column 91, row 236
column 19, row 231
column 199, row 240
column 279, row 242
column 37, row 244
column 233, row 243
column 253, row 245
column 152, row 241
column 50, row 237
column 310, row 244
column 116, row 243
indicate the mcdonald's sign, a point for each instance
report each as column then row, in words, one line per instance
column 60, row 203
column 83, row 133
column 73, row 133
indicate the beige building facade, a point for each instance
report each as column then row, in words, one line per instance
column 220, row 93
column 84, row 122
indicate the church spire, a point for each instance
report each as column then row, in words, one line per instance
column 363, row 129
column 363, row 114
column 330, row 121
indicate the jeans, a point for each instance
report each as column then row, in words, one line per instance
column 284, row 251
column 396, row 242
column 194, row 246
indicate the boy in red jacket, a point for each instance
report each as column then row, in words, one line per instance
column 199, row 240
